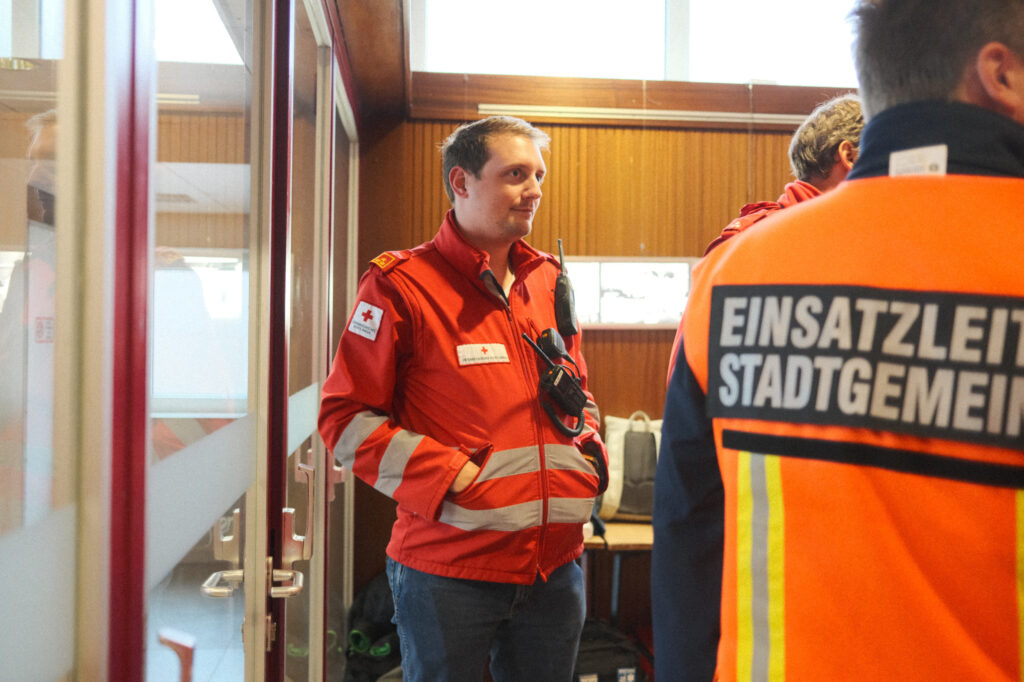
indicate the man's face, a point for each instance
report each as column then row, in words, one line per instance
column 497, row 208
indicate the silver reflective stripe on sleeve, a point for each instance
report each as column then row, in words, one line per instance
column 506, row 519
column 392, row 464
column 570, row 510
column 357, row 431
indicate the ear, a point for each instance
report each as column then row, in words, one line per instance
column 1000, row 75
column 846, row 154
column 457, row 179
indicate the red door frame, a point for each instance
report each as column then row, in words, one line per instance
column 282, row 62
column 130, row 78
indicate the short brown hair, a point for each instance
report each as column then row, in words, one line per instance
column 467, row 147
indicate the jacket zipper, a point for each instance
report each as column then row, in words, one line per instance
column 524, row 364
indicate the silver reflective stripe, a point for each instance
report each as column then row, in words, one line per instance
column 760, row 595
column 357, row 431
column 570, row 510
column 506, row 519
column 511, row 462
column 566, row 457
column 392, row 464
column 591, row 409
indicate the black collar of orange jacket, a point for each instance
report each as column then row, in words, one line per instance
column 979, row 141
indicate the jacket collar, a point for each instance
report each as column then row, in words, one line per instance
column 471, row 261
column 979, row 141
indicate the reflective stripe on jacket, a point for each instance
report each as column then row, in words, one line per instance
column 432, row 370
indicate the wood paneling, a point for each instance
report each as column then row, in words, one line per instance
column 201, row 230
column 457, row 97
column 201, row 137
column 628, row 369
column 609, row 192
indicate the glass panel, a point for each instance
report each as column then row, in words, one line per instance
column 37, row 507
column 304, row 343
column 202, row 454
column 337, row 608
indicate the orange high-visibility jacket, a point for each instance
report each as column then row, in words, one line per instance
column 858, row 361
column 431, row 370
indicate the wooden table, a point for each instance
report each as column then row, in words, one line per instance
column 620, row 538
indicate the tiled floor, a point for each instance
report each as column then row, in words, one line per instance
column 216, row 625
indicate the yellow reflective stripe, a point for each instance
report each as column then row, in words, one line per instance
column 776, row 569
column 1020, row 583
column 744, row 576
column 760, row 569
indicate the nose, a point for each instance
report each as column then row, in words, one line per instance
column 533, row 190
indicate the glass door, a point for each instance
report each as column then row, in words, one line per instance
column 38, row 505
column 308, row 257
column 204, row 342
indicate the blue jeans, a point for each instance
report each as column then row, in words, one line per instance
column 448, row 626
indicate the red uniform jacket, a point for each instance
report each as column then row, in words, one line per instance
column 433, row 370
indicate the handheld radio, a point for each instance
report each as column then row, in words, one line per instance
column 565, row 300
column 562, row 386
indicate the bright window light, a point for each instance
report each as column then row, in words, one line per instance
column 192, row 31
column 575, row 38
column 623, row 292
column 787, row 42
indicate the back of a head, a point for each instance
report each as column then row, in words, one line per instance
column 813, row 146
column 467, row 146
column 914, row 50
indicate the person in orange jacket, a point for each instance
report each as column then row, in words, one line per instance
column 821, row 153
column 434, row 400
column 840, row 486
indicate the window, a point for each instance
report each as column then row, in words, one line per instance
column 630, row 292
column 786, row 42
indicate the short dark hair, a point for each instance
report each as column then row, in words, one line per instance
column 812, row 151
column 467, row 146
column 913, row 50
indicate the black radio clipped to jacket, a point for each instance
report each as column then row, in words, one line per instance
column 559, row 383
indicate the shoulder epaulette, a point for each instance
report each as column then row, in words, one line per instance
column 389, row 259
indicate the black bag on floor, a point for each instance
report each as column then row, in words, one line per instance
column 607, row 655
column 373, row 647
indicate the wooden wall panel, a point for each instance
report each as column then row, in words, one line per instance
column 610, row 191
column 207, row 137
column 201, row 230
column 628, row 369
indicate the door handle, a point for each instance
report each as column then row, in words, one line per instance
column 298, row 547
column 213, row 587
column 225, row 547
column 285, row 591
column 335, row 475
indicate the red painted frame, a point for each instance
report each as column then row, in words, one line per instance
column 132, row 83
column 282, row 64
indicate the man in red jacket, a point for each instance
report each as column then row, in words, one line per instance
column 821, row 153
column 434, row 400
